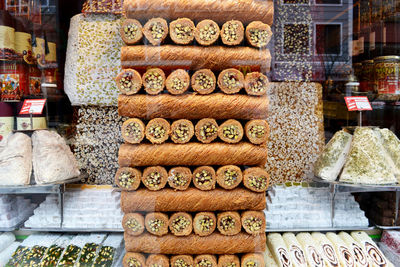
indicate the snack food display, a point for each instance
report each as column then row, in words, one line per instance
column 257, row 131
column 231, row 131
column 155, row 178
column 133, row 223
column 181, row 224
column 182, row 131
column 179, row 178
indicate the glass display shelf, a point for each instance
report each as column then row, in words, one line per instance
column 320, row 229
column 15, row 227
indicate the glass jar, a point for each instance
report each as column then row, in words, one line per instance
column 386, row 73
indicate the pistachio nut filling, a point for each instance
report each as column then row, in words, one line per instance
column 125, row 179
column 153, row 179
column 230, row 80
column 133, row 224
column 257, row 131
column 179, row 180
column 131, row 31
column 253, row 224
column 180, row 223
column 133, row 131
column 126, row 82
column 178, row 84
column 251, row 264
column 203, row 177
column 227, row 223
column 154, row 81
column 181, row 263
column 208, row 130
column 230, row 31
column 231, row 132
column 258, row 182
column 259, row 37
column 183, row 32
column 230, row 177
column 204, row 263
column 156, row 265
column 157, row 131
column 156, row 225
column 206, row 224
column 208, row 32
column 231, row 264
column 204, row 81
column 259, row 85
column 132, row 262
column 181, row 132
column 157, row 30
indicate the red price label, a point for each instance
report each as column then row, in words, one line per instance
column 358, row 103
column 32, row 106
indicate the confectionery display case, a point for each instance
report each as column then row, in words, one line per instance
column 204, row 133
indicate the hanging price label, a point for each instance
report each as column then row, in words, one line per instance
column 358, row 103
column 32, row 106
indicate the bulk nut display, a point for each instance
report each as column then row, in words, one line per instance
column 231, row 81
column 179, row 178
column 182, row 131
column 131, row 31
column 256, row 179
column 156, row 223
column 229, row 177
column 178, row 82
column 229, row 223
column 182, row 31
column 181, row 224
column 128, row 178
column 232, row 32
column 129, row 82
column 157, row 130
column 231, row 131
column 155, row 178
column 204, row 223
column 258, row 34
column 203, row 81
column 207, row 32
column 156, row 30
column 256, row 83
column 153, row 81
column 257, row 131
column 133, row 131
column 206, row 130
column 204, row 178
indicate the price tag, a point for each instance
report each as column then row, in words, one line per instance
column 359, row 103
column 32, row 106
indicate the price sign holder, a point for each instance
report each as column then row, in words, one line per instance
column 32, row 106
column 359, row 104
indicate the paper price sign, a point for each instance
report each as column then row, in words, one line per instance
column 357, row 103
column 33, row 106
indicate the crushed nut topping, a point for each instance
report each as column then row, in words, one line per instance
column 230, row 177
column 258, row 182
column 230, row 31
column 232, row 132
column 178, row 179
column 154, row 80
column 204, row 263
column 125, row 179
column 153, row 179
column 204, row 81
column 133, row 131
column 230, row 80
column 181, row 263
column 178, row 84
column 157, row 131
column 181, row 132
column 180, row 223
column 183, row 32
column 253, row 223
column 203, row 177
column 257, row 131
column 132, row 262
column 259, row 85
column 208, row 130
column 259, row 37
column 156, row 225
column 133, row 224
column 131, row 31
column 206, row 223
column 208, row 32
column 157, row 30
column 227, row 223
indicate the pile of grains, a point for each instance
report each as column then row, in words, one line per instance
column 102, row 6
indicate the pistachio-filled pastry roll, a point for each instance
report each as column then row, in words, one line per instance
column 204, row 178
column 252, row 260
column 157, row 260
column 158, row 130
column 256, row 179
column 206, row 130
column 231, row 131
column 257, row 131
column 181, row 224
column 206, row 32
column 205, row 260
column 156, row 223
column 131, row 31
column 258, row 34
column 228, row 261
column 204, row 223
column 181, row 31
column 229, row 223
column 154, row 81
column 182, row 131
column 253, row 222
column 133, row 131
column 204, row 81
column 156, row 30
column 133, row 223
column 256, row 83
column 181, row 261
column 129, row 81
column 232, row 32
column 179, row 178
column 229, row 176
column 134, row 260
column 231, row 81
column 178, row 82
column 128, row 178
column 155, row 178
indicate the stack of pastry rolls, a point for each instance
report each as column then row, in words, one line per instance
column 191, row 168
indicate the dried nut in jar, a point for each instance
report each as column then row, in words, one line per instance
column 179, row 178
column 258, row 34
column 182, row 131
column 133, row 131
column 207, row 32
column 206, row 130
column 154, row 81
column 181, row 224
column 178, row 82
column 182, row 261
column 231, row 131
column 205, row 261
column 157, row 260
column 257, row 131
column 156, row 30
column 204, row 223
column 231, row 81
column 128, row 178
column 156, row 223
column 228, row 261
column 158, row 130
column 232, row 32
column 133, row 223
column 129, row 82
column 155, row 177
column 256, row 83
column 228, row 223
column 134, row 260
column 203, row 81
column 253, row 222
column 182, row 31
column 229, row 177
column 131, row 31
column 256, row 179
column 204, row 178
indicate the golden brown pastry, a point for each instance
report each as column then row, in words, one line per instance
column 153, row 81
column 256, row 179
column 206, row 32
column 256, row 83
column 157, row 260
column 204, row 223
column 129, row 81
column 258, row 34
column 156, row 30
column 231, row 131
column 133, row 223
column 253, row 222
column 133, row 131
column 158, row 130
column 228, row 261
column 128, row 178
column 179, row 178
column 231, row 81
column 204, row 81
column 232, row 32
column 181, row 31
column 257, row 131
column 206, row 130
column 182, row 131
column 229, row 223
column 229, row 176
column 204, row 178
column 252, row 260
column 134, row 260
column 178, row 82
column 205, row 260
column 180, row 224
column 131, row 31
column 155, row 177
column 156, row 223
column 182, row 261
